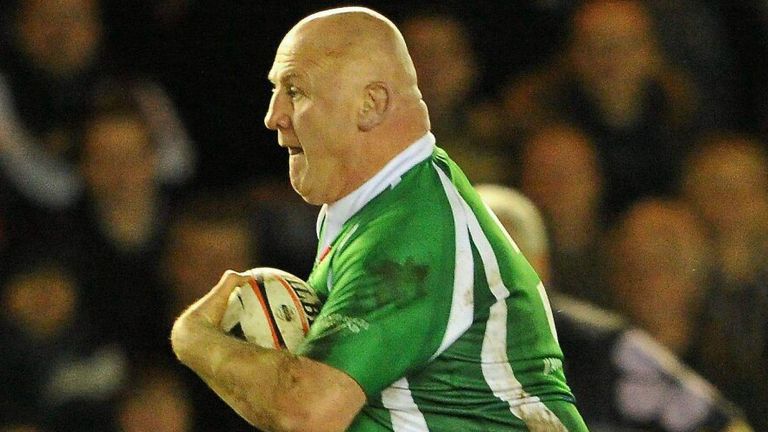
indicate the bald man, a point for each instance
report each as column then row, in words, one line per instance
column 432, row 319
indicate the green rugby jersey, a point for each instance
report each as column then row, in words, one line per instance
column 431, row 308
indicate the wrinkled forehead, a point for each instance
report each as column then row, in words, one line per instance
column 356, row 46
column 301, row 52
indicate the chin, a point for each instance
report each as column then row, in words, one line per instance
column 311, row 200
column 305, row 194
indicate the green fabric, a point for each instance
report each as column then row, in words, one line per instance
column 388, row 288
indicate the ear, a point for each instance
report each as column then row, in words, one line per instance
column 375, row 106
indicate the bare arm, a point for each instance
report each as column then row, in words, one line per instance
column 176, row 151
column 44, row 179
column 273, row 390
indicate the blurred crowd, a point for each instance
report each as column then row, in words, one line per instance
column 134, row 170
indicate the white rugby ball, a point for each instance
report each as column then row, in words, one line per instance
column 274, row 310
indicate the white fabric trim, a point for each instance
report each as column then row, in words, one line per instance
column 404, row 413
column 495, row 365
column 337, row 213
column 341, row 244
column 503, row 230
column 462, row 302
column 548, row 309
column 320, row 219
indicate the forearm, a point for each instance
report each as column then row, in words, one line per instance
column 272, row 389
column 244, row 375
column 40, row 178
column 43, row 179
column 176, row 152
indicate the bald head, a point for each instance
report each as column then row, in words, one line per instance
column 358, row 40
column 518, row 215
column 523, row 221
column 345, row 100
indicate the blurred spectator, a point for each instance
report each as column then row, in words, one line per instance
column 156, row 400
column 5, row 221
column 122, row 222
column 446, row 65
column 210, row 234
column 522, row 220
column 658, row 261
column 622, row 378
column 56, row 56
column 560, row 172
column 695, row 38
column 213, row 231
column 286, row 227
column 613, row 82
column 54, row 372
column 448, row 74
column 726, row 180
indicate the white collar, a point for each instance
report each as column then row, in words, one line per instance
column 337, row 213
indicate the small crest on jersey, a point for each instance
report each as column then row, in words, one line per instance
column 336, row 322
column 552, row 365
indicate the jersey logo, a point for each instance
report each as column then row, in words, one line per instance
column 552, row 365
column 335, row 323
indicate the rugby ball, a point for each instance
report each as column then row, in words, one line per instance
column 274, row 309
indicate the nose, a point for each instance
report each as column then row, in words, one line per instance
column 279, row 113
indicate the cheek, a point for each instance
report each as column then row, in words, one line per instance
column 308, row 125
column 328, row 114
column 312, row 119
column 323, row 132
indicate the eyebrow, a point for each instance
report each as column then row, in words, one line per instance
column 286, row 77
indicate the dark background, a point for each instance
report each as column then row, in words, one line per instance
column 214, row 56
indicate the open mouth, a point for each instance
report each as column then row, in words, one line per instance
column 295, row 150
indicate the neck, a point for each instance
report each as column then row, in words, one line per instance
column 406, row 125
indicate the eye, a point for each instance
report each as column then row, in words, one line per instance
column 293, row 92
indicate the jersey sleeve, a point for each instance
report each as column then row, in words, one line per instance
column 388, row 305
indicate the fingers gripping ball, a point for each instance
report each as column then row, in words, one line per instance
column 274, row 309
